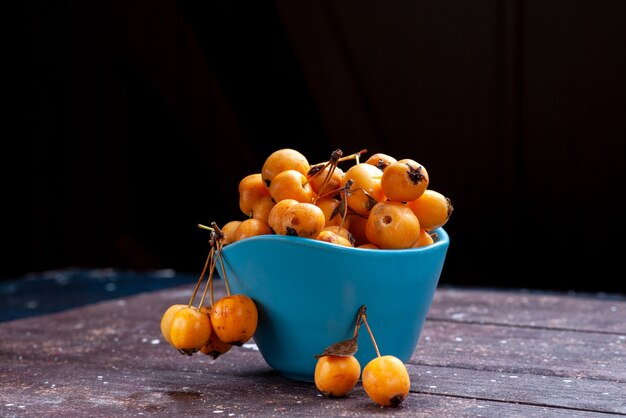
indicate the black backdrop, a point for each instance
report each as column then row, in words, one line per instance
column 137, row 121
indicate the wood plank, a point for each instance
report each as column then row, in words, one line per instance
column 265, row 395
column 527, row 388
column 568, row 354
column 107, row 359
column 239, row 383
column 163, row 393
column 583, row 313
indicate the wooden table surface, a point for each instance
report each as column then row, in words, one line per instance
column 481, row 353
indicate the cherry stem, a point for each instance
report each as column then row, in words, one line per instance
column 209, row 283
column 357, row 155
column 218, row 231
column 334, row 158
column 219, row 254
column 358, row 321
column 344, row 190
column 331, row 171
column 206, row 263
column 364, row 318
column 354, row 156
column 211, row 291
column 216, row 245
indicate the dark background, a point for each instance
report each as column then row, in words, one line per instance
column 137, row 121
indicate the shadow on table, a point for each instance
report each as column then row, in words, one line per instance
column 55, row 291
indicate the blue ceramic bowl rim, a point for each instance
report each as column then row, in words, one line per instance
column 442, row 240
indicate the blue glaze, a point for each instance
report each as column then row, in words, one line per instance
column 308, row 293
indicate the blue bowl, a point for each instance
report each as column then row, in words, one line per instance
column 308, row 294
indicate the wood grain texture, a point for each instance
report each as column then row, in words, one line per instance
column 108, row 359
column 531, row 309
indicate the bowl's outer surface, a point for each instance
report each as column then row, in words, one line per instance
column 308, row 294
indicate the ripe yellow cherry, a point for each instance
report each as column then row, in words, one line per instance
column 366, row 187
column 369, row 246
column 432, row 209
column 342, row 232
column 261, row 209
column 166, row 320
column 333, row 237
column 303, row 220
column 423, row 240
column 291, row 184
column 276, row 215
column 386, row 380
column 190, row 329
column 281, row 160
column 251, row 227
column 317, row 176
column 234, row 319
column 404, row 180
column 251, row 189
column 336, row 375
column 229, row 231
column 214, row 347
column 357, row 229
column 332, row 212
column 392, row 225
column 380, row 160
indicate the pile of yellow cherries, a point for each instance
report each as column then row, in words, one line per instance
column 380, row 203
